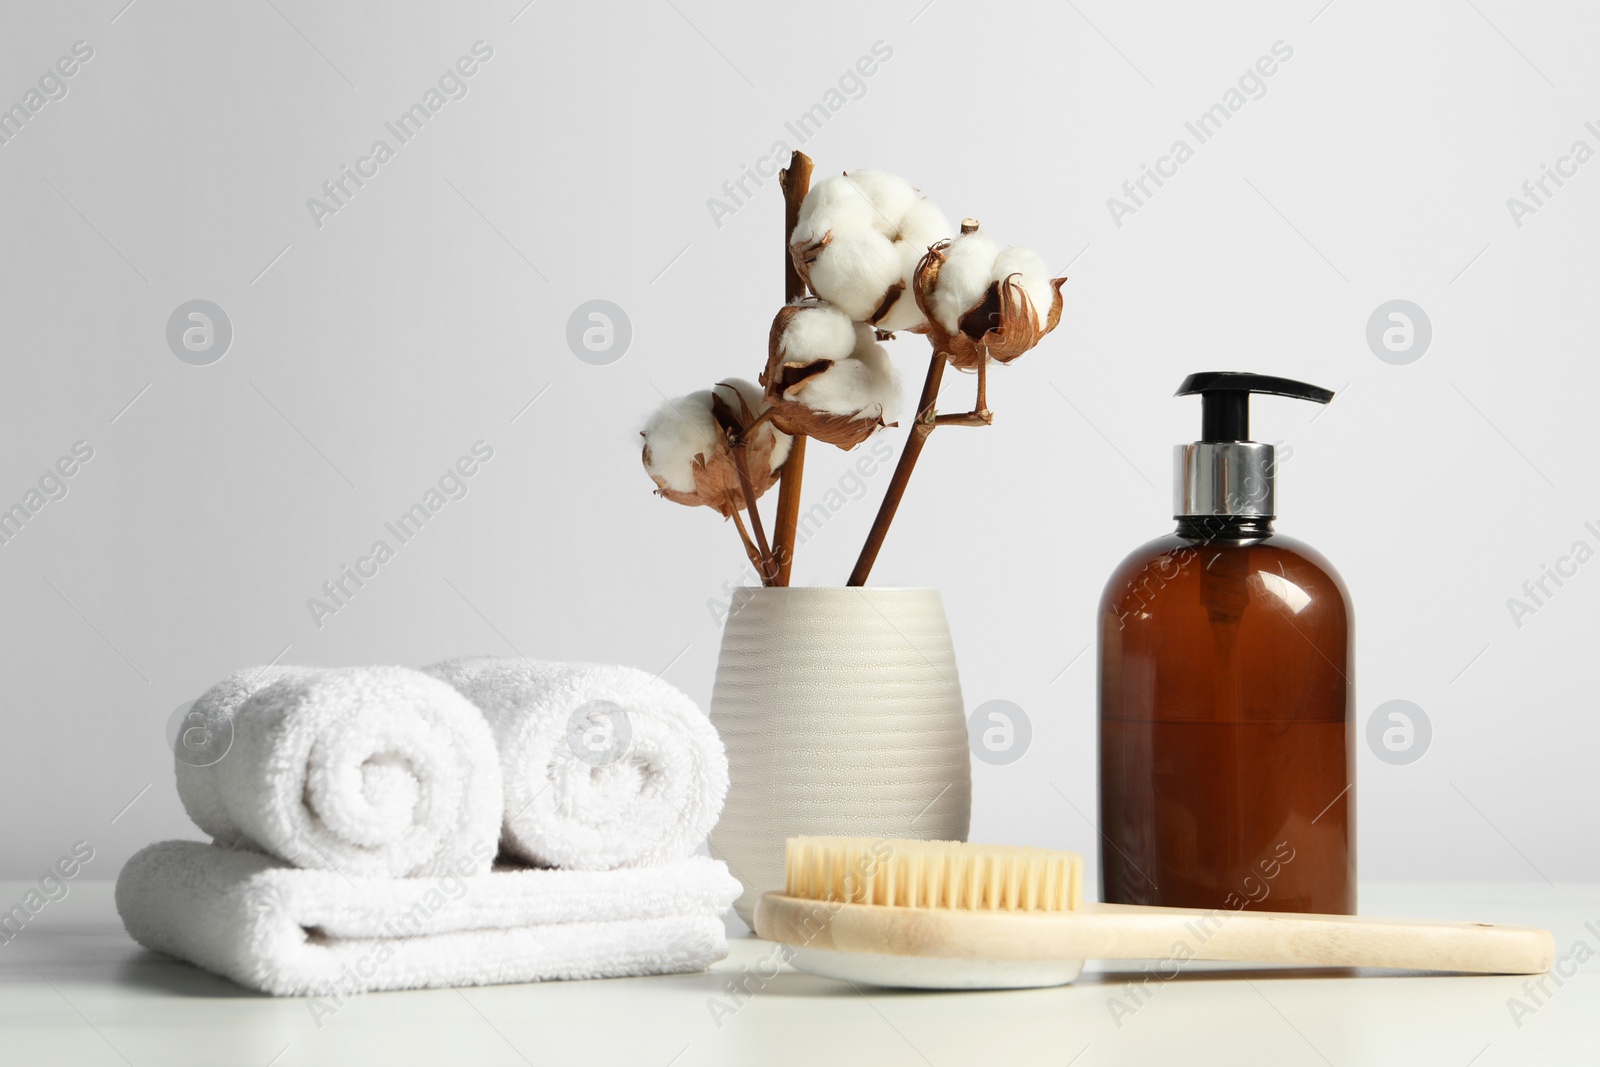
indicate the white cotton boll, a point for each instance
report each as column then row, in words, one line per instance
column 854, row 271
column 965, row 274
column 683, row 429
column 817, row 331
column 863, row 338
column 865, row 385
column 731, row 389
column 832, row 204
column 836, row 194
column 678, row 431
column 844, row 216
column 881, row 380
column 904, row 313
column 780, row 445
column 1034, row 277
column 923, row 225
column 889, row 195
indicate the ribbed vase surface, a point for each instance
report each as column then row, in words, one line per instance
column 841, row 712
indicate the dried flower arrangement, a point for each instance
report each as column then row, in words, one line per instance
column 865, row 257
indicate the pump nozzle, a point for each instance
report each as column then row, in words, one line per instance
column 1225, row 399
column 1225, row 473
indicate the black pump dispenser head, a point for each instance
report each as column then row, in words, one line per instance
column 1225, row 473
column 1225, row 399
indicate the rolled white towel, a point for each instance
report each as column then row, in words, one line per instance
column 206, row 738
column 604, row 766
column 369, row 771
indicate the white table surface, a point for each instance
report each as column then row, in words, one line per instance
column 75, row 990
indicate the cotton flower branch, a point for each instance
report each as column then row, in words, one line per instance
column 857, row 243
column 865, row 256
column 716, row 448
column 980, row 304
column 985, row 303
column 828, row 377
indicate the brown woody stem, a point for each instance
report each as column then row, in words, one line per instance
column 749, row 546
column 764, row 565
column 980, row 415
column 927, row 419
column 795, row 181
column 787, row 521
column 966, row 418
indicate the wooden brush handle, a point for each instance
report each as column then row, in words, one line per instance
column 1113, row 931
column 1128, row 932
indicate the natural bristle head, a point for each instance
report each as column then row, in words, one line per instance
column 933, row 874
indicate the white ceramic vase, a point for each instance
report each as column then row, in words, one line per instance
column 841, row 712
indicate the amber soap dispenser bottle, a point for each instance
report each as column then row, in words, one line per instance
column 1227, row 767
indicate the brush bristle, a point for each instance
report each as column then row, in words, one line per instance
column 933, row 874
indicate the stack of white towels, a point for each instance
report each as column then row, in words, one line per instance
column 477, row 822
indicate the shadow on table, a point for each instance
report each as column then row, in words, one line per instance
column 1243, row 973
column 157, row 973
column 797, row 984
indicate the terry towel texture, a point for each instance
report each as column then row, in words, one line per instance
column 316, row 933
column 370, row 771
column 603, row 766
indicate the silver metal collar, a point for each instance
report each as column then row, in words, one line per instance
column 1224, row 478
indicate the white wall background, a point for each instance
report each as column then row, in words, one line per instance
column 370, row 352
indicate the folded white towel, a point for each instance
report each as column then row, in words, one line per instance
column 603, row 766
column 373, row 771
column 290, row 932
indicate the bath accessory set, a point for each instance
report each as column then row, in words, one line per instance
column 374, row 828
